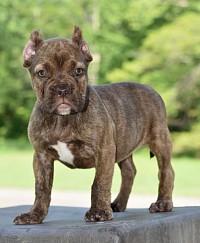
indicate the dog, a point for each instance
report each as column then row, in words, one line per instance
column 86, row 126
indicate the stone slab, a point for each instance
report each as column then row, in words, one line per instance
column 66, row 224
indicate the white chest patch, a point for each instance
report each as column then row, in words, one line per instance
column 64, row 153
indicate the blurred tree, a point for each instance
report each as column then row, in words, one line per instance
column 17, row 20
column 157, row 43
column 149, row 41
column 125, row 25
column 169, row 56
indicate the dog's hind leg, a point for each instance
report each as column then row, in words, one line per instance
column 128, row 172
column 161, row 146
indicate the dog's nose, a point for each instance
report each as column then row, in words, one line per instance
column 61, row 90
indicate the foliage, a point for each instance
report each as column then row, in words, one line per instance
column 187, row 143
column 162, row 39
column 164, row 61
column 149, row 41
column 17, row 20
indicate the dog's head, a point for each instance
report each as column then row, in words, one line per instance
column 58, row 68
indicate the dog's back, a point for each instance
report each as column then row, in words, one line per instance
column 139, row 106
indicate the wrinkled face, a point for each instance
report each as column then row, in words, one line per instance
column 58, row 68
column 59, row 77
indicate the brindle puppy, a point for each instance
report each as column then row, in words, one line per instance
column 86, row 126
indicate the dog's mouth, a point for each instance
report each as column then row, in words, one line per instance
column 63, row 105
column 64, row 109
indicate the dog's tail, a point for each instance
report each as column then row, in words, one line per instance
column 151, row 155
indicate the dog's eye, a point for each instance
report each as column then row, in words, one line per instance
column 79, row 71
column 41, row 73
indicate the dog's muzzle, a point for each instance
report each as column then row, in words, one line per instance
column 62, row 93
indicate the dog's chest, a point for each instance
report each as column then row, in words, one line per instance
column 64, row 153
column 76, row 154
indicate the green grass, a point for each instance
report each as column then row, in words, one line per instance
column 16, row 172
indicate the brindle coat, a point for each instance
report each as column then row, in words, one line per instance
column 90, row 126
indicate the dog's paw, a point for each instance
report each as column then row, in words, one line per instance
column 118, row 206
column 161, row 206
column 29, row 218
column 98, row 215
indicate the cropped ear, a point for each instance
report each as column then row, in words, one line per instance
column 79, row 41
column 31, row 47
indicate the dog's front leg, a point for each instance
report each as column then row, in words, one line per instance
column 101, row 191
column 43, row 170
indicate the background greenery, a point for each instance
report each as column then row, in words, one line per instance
column 149, row 41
